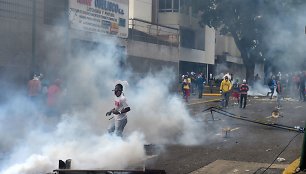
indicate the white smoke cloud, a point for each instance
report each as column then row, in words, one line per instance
column 161, row 113
column 258, row 89
column 99, row 152
column 286, row 38
column 35, row 142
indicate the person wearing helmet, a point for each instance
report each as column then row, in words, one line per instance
column 225, row 89
column 244, row 88
column 119, row 111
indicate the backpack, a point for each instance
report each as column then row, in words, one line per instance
column 270, row 83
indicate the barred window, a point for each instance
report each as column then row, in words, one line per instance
column 16, row 9
column 55, row 12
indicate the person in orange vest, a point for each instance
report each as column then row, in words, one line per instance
column 34, row 88
column 186, row 87
column 225, row 89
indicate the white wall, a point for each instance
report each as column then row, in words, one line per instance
column 141, row 9
column 152, row 51
column 226, row 44
column 173, row 19
column 167, row 53
column 210, row 45
column 192, row 55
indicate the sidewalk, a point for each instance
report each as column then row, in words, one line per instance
column 206, row 97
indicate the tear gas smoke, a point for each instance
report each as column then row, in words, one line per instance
column 35, row 142
column 286, row 38
column 258, row 89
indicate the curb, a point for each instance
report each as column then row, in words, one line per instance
column 292, row 167
column 211, row 94
column 206, row 101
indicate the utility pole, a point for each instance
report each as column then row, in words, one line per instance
column 33, row 62
column 302, row 165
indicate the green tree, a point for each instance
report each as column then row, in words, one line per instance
column 245, row 21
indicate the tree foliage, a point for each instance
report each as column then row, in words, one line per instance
column 245, row 21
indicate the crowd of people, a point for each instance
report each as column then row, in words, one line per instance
column 193, row 83
column 44, row 94
column 290, row 85
column 236, row 90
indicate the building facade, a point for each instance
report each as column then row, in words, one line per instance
column 153, row 34
column 229, row 60
column 228, row 57
column 39, row 36
column 171, row 36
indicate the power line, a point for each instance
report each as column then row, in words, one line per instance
column 278, row 154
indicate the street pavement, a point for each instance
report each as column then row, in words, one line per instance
column 249, row 148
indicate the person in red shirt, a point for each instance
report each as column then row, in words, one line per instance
column 244, row 88
column 34, row 88
column 53, row 95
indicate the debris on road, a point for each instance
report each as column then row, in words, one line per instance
column 280, row 159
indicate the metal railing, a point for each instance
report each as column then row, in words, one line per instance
column 144, row 31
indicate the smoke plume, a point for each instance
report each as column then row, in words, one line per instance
column 34, row 141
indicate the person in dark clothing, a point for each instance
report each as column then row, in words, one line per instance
column 302, row 87
column 244, row 88
column 236, row 89
column 279, row 90
column 271, row 84
column 200, row 83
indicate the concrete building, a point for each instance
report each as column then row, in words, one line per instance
column 153, row 34
column 168, row 34
column 40, row 35
column 228, row 59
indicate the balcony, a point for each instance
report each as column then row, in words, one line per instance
column 144, row 31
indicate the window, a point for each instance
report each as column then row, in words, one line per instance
column 187, row 38
column 182, row 2
column 184, row 6
column 176, row 6
column 16, row 9
column 162, row 4
column 168, row 5
column 55, row 12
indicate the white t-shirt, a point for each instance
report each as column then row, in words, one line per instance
column 120, row 103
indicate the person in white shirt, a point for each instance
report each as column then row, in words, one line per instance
column 120, row 110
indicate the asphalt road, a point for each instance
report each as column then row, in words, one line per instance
column 247, row 142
